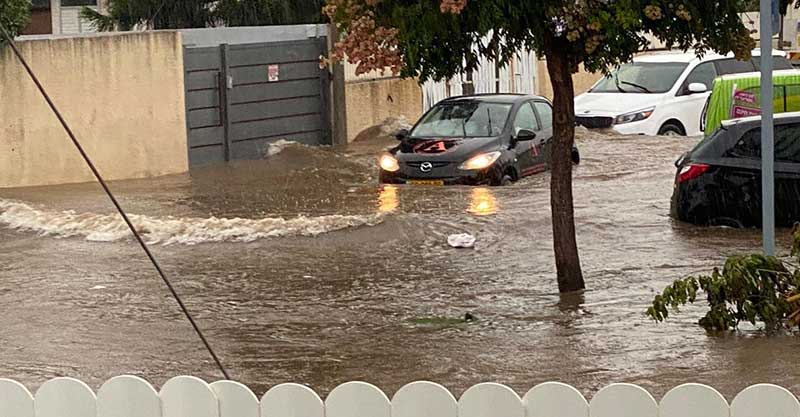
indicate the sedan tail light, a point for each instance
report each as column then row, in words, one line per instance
column 691, row 171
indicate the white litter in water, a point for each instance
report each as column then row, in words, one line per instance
column 171, row 230
column 98, row 287
column 279, row 145
column 463, row 240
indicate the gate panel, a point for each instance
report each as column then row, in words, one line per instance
column 241, row 98
column 206, row 136
column 279, row 92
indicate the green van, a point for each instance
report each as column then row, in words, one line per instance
column 738, row 95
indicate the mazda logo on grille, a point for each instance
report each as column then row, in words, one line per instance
column 426, row 167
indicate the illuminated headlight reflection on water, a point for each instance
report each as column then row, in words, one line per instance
column 482, row 202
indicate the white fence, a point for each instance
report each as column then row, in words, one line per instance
column 517, row 76
column 185, row 396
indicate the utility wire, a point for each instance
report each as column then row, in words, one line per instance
column 114, row 201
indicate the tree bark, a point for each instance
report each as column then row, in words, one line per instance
column 568, row 265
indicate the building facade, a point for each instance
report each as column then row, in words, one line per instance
column 57, row 17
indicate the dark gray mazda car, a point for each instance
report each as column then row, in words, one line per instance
column 491, row 139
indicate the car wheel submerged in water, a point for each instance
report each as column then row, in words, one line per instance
column 489, row 139
column 671, row 129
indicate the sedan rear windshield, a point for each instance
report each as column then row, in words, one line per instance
column 463, row 119
column 641, row 77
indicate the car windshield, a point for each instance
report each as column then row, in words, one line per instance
column 463, row 119
column 641, row 77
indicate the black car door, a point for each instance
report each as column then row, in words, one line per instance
column 526, row 151
column 544, row 138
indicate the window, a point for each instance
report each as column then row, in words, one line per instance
column 641, row 77
column 787, row 144
column 463, row 118
column 748, row 146
column 703, row 74
column 734, row 66
column 778, row 63
column 545, row 114
column 525, row 120
column 40, row 5
column 69, row 3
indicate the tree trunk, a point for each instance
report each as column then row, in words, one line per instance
column 568, row 265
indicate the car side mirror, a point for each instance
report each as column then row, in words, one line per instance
column 401, row 134
column 525, row 135
column 696, row 88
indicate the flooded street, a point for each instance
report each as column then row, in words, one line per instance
column 301, row 268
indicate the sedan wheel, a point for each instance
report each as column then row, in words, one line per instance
column 671, row 129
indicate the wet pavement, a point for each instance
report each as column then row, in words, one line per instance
column 301, row 268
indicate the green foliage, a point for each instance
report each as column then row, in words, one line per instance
column 597, row 33
column 269, row 12
column 754, row 289
column 179, row 14
column 14, row 15
column 153, row 14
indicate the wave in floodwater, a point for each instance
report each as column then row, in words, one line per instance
column 171, row 230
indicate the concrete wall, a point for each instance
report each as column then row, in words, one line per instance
column 582, row 81
column 122, row 94
column 371, row 102
column 251, row 34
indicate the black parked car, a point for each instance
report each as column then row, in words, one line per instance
column 719, row 181
column 492, row 139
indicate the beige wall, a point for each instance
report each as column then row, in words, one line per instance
column 582, row 81
column 371, row 102
column 122, row 95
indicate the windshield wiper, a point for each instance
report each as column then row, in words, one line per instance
column 641, row 87
column 616, row 82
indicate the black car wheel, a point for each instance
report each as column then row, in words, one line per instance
column 506, row 180
column 671, row 129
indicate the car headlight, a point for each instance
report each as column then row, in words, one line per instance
column 634, row 116
column 481, row 161
column 389, row 163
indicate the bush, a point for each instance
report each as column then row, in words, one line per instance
column 752, row 288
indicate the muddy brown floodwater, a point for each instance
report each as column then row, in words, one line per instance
column 301, row 268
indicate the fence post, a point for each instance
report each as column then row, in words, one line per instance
column 338, row 94
column 225, row 83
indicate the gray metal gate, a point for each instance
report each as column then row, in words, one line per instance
column 240, row 98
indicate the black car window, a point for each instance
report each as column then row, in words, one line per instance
column 703, row 74
column 545, row 114
column 525, row 119
column 778, row 63
column 733, row 66
column 787, row 144
column 748, row 146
